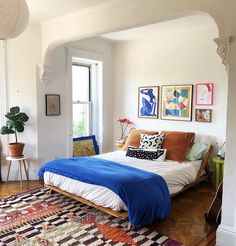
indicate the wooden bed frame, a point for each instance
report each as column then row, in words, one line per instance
column 202, row 174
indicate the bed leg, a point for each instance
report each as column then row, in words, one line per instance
column 129, row 226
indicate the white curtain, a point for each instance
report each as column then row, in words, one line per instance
column 3, row 94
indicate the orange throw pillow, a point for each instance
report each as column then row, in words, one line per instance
column 177, row 144
column 134, row 137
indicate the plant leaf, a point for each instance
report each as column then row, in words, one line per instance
column 5, row 130
column 20, row 128
column 10, row 124
column 11, row 116
column 23, row 117
column 14, row 110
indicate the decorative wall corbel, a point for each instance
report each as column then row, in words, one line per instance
column 44, row 74
column 223, row 50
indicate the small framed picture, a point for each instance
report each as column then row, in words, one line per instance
column 204, row 94
column 203, row 115
column 148, row 102
column 52, row 104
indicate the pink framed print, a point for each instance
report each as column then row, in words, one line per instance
column 204, row 93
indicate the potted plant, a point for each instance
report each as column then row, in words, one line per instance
column 15, row 123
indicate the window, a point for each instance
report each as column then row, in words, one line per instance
column 81, row 91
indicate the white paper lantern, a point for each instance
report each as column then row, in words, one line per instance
column 14, row 17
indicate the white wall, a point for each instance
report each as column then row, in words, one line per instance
column 23, row 54
column 55, row 131
column 52, row 129
column 183, row 56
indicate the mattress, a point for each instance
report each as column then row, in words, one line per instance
column 175, row 174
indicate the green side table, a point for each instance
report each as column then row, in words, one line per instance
column 219, row 170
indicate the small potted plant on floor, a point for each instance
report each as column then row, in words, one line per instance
column 15, row 123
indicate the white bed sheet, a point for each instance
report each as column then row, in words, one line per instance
column 176, row 176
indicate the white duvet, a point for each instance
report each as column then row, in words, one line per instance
column 175, row 174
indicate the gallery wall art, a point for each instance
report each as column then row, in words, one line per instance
column 176, row 102
column 203, row 115
column 204, row 93
column 148, row 102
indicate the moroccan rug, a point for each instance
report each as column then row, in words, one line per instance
column 38, row 218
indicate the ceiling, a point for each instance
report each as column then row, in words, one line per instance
column 161, row 28
column 41, row 10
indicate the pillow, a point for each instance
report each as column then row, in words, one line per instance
column 85, row 146
column 134, row 137
column 177, row 144
column 148, row 141
column 148, row 154
column 196, row 152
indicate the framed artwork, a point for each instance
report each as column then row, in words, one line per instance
column 85, row 146
column 176, row 102
column 203, row 115
column 148, row 102
column 52, row 104
column 204, row 94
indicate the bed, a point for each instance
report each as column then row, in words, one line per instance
column 178, row 178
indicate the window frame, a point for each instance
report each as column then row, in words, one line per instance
column 89, row 102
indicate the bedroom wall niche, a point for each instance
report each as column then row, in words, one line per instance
column 59, row 128
column 180, row 51
column 177, row 52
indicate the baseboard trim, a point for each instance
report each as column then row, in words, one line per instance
column 225, row 235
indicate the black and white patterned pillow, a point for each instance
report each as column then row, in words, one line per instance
column 148, row 154
column 148, row 141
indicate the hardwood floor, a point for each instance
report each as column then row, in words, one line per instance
column 13, row 188
column 186, row 223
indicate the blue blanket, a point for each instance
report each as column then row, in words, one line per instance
column 145, row 194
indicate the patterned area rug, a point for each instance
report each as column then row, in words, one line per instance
column 37, row 218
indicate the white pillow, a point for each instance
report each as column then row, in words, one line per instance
column 148, row 141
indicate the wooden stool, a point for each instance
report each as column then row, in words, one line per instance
column 219, row 170
column 19, row 159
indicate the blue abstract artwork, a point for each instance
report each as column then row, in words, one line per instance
column 148, row 104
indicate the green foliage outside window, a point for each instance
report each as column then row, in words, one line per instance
column 79, row 129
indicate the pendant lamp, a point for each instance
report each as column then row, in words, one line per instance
column 14, row 17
